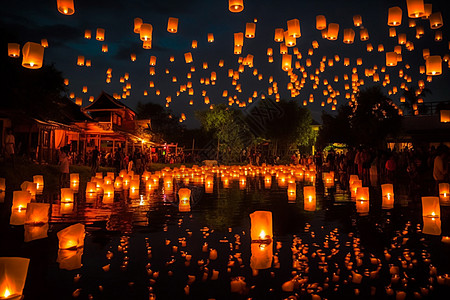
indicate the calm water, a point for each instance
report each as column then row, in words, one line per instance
column 149, row 239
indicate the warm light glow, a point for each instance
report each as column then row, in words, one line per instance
column 7, row 293
column 262, row 235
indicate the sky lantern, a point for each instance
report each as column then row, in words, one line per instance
column 279, row 34
column 433, row 65
column 210, row 37
column 357, row 20
column 416, row 8
column 188, row 57
column 402, row 38
column 194, row 44
column 293, row 28
column 44, row 43
column 391, row 59
column 238, row 39
column 80, row 60
column 436, row 20
column 147, row 44
column 137, row 25
column 13, row 50
column 428, row 10
column 349, row 36
column 65, row 7
column 14, row 274
column 32, row 55
column 438, row 36
column 321, row 22
column 250, row 29
column 172, row 25
column 392, row 32
column 289, row 41
column 394, row 16
column 145, row 32
column 236, row 6
column 87, row 34
column 364, row 34
column 100, row 35
column 104, row 48
column 333, row 31
column 133, row 57
column 152, row 60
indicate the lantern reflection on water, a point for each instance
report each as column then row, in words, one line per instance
column 37, row 213
column 292, row 191
column 184, row 195
column 134, row 188
column 91, row 192
column 69, row 259
column 13, row 272
column 34, row 232
column 39, row 180
column 242, row 182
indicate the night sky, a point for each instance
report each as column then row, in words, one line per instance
column 31, row 20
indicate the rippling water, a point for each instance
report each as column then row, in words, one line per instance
column 149, row 235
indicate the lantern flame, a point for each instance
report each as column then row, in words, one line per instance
column 7, row 293
column 262, row 235
column 310, row 198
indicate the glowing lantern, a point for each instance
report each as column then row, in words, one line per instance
column 168, row 184
column 433, row 65
column 387, row 193
column 172, row 25
column 37, row 213
column 134, row 188
column 279, row 35
column 209, row 184
column 289, row 41
column 71, row 237
column 19, row 207
column 100, row 34
column 69, row 259
column 210, row 37
column 118, row 184
column 444, row 194
column 32, row 55
column 238, row 39
column 333, row 31
column 321, row 22
column 66, row 195
column 416, row 8
column 35, row 231
column 39, row 180
column 14, row 273
column 91, row 191
column 152, row 60
column 357, row 20
column 147, row 44
column 267, row 181
column 236, row 6
column 445, row 116
column 137, row 25
column 391, row 59
column 242, row 182
column 309, row 198
column 65, row 7
column 436, row 20
column 430, row 207
column 293, row 28
column 364, row 34
column 250, row 29
column 395, row 16
column 87, row 34
column 402, row 38
column 286, row 62
column 261, row 227
column 292, row 191
column 184, row 195
column 188, row 57
column 29, row 187
column 354, row 187
column 362, row 206
column 2, row 184
column 194, row 44
column 349, row 36
column 13, row 50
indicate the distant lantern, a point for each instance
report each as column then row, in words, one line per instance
column 434, row 65
column 65, row 7
column 445, row 116
column 438, row 36
column 147, row 44
column 286, row 62
column 88, row 63
column 194, row 44
column 137, row 25
column 349, row 36
column 279, row 34
column 133, row 57
column 32, row 55
column 104, row 48
column 392, row 32
column 13, row 50
column 321, row 22
column 250, row 29
column 238, row 39
column 87, row 34
column 416, row 8
column 236, row 6
column 172, row 25
column 100, row 35
column 210, row 37
column 391, row 59
column 44, row 43
column 436, row 20
column 188, row 57
column 146, row 31
column 357, row 20
column 293, row 28
column 85, row 89
column 395, row 16
column 364, row 34
column 152, row 60
column 79, row 101
column 80, row 60
column 289, row 41
column 333, row 31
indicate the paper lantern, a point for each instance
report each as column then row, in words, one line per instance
column 13, row 50
column 65, row 7
column 37, row 213
column 172, row 25
column 430, row 207
column 118, row 184
column 104, row 48
column 137, row 25
column 238, row 39
column 364, row 34
column 444, row 116
column 354, row 187
column 394, row 16
column 321, row 22
column 19, row 207
column 333, row 31
column 194, row 44
column 357, row 20
column 436, row 20
column 209, row 184
column 362, row 193
column 292, row 191
column 34, row 232
column 236, row 6
column 147, row 45
column 391, row 59
column 71, row 237
column 87, row 34
column 69, row 259
column 91, row 191
column 32, row 55
column 267, row 181
column 168, row 184
column 309, row 198
column 289, row 41
column 433, row 65
column 100, row 34
column 349, row 36
column 29, row 187
column 66, row 208
column 210, row 37
column 444, row 194
column 416, row 8
column 362, row 206
column 108, row 193
column 188, row 57
column 279, row 35
column 13, row 272
column 250, row 29
column 261, row 256
column 293, row 28
column 387, row 194
column 431, row 226
column 261, row 227
column 2, row 184
column 134, row 188
column 184, row 195
column 286, row 62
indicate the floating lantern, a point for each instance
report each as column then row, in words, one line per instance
column 69, row 259
column 104, row 48
column 118, row 184
column 100, row 34
column 66, row 195
column 433, row 65
column 309, row 198
column 137, row 25
column 210, row 37
column 279, row 35
column 29, row 187
column 13, row 272
column 333, row 31
column 357, row 20
column 65, row 7
column 134, row 188
column 354, row 188
column 395, row 16
column 286, row 62
column 349, row 36
column 416, row 8
column 292, row 191
column 444, row 194
column 262, row 256
column 37, row 213
column 430, row 207
column 387, row 194
column 66, row 208
column 108, row 193
column 267, row 181
column 34, row 232
column 188, row 57
column 364, row 34
column 71, row 237
column 209, row 184
column 293, row 28
column 391, row 59
column 445, row 116
column 242, row 182
column 362, row 206
column 168, row 184
column 321, row 22
column 184, row 195
column 13, row 50
column 87, row 34
column 362, row 193
column 19, row 207
column 91, row 191
column 261, row 227
column 236, row 6
column 436, row 20
column 431, row 226
column 32, row 55
column 250, row 29
column 147, row 45
column 172, row 25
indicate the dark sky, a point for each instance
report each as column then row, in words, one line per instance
column 31, row 20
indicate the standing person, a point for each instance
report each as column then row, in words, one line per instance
column 118, row 158
column 64, row 166
column 10, row 145
column 390, row 166
column 94, row 161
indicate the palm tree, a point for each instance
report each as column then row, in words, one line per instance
column 412, row 99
